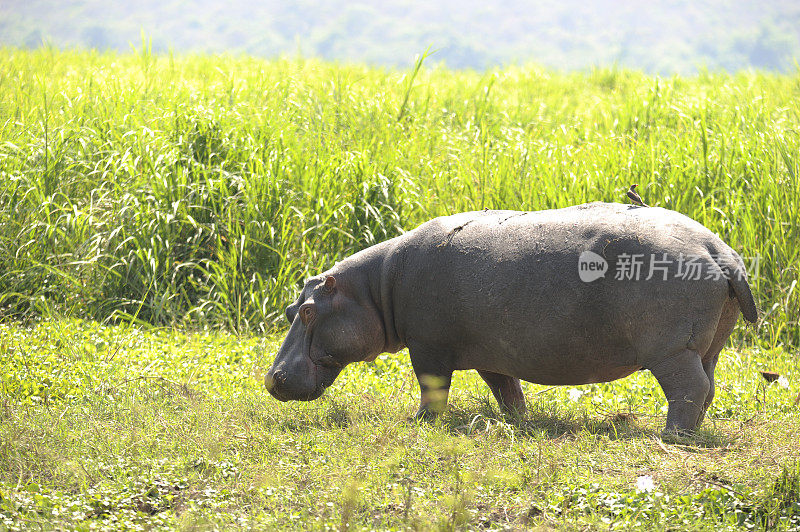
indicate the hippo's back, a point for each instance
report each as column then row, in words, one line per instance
column 501, row 230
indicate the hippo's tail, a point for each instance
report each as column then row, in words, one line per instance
column 732, row 266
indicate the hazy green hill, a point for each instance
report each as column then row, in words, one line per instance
column 659, row 36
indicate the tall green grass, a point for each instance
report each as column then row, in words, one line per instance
column 200, row 190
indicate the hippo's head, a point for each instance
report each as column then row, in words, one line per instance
column 330, row 327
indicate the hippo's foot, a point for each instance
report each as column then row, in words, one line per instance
column 507, row 390
column 677, row 436
column 425, row 414
column 686, row 386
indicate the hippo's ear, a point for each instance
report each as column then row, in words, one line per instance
column 330, row 284
column 291, row 312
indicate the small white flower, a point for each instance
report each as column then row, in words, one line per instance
column 575, row 394
column 783, row 382
column 645, row 483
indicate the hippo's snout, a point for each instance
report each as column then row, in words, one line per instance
column 292, row 386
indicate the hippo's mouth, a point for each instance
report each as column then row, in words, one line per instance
column 277, row 395
column 327, row 369
column 314, row 394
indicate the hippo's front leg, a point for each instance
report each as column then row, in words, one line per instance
column 434, row 376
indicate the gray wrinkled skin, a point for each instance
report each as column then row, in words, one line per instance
column 499, row 292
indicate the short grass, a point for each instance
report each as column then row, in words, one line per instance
column 118, row 427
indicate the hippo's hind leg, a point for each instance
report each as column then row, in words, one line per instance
column 727, row 321
column 506, row 390
column 709, row 363
column 686, row 385
column 434, row 378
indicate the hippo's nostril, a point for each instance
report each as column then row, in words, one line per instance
column 272, row 379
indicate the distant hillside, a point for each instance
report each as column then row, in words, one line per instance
column 660, row 36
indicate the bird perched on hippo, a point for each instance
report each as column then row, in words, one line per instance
column 504, row 293
column 635, row 197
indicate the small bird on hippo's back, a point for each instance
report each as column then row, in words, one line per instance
column 635, row 197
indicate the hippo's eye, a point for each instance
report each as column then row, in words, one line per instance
column 306, row 313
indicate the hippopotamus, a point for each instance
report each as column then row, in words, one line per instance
column 585, row 294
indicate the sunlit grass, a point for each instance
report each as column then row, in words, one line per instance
column 116, row 427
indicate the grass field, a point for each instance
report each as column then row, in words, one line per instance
column 117, row 427
column 157, row 213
